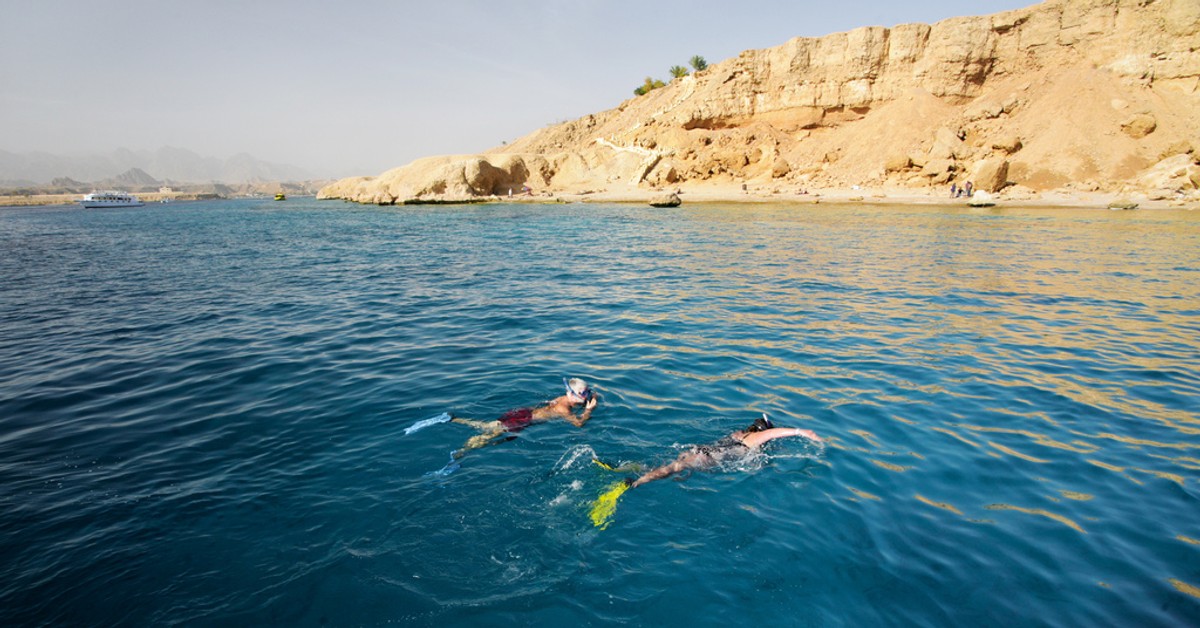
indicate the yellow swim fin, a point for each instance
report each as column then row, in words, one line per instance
column 628, row 467
column 603, row 465
column 605, row 505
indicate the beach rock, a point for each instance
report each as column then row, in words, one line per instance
column 663, row 174
column 981, row 199
column 1179, row 173
column 666, row 200
column 984, row 109
column 947, row 145
column 1181, row 147
column 1139, row 126
column 1019, row 192
column 480, row 177
column 990, row 175
column 1008, row 143
column 780, row 168
column 896, row 163
column 350, row 188
column 937, row 168
column 731, row 160
column 1123, row 204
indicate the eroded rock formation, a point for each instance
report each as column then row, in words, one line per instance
column 1091, row 93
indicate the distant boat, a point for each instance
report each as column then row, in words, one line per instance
column 110, row 199
column 280, row 197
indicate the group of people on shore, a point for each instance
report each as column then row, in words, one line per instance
column 967, row 189
column 576, row 406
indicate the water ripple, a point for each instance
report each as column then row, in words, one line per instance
column 203, row 413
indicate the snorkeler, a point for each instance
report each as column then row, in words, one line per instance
column 513, row 421
column 563, row 407
column 737, row 445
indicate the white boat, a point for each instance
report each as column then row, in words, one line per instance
column 110, row 199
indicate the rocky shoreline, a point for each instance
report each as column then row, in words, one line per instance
column 1056, row 103
column 871, row 196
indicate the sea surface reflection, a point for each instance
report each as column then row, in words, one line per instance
column 203, row 411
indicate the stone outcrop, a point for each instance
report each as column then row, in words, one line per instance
column 1179, row 174
column 666, row 200
column 990, row 175
column 981, row 199
column 1139, row 126
column 1082, row 92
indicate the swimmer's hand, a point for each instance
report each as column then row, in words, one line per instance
column 809, row 434
column 588, row 406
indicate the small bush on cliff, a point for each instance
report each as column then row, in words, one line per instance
column 677, row 71
column 650, row 85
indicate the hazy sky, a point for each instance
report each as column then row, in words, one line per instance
column 360, row 86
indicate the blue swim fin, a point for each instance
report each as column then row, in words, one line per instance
column 450, row 467
column 420, row 425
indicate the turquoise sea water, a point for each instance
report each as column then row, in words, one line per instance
column 202, row 414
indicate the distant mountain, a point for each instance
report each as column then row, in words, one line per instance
column 67, row 182
column 132, row 178
column 167, row 164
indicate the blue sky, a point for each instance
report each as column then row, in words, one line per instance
column 359, row 86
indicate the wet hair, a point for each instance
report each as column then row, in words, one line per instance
column 759, row 425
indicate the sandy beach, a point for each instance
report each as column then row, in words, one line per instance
column 733, row 193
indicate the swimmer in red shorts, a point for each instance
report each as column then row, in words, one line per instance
column 513, row 421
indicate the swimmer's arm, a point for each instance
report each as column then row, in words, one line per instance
column 758, row 438
column 809, row 434
column 583, row 417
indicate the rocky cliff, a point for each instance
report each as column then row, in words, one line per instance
column 1083, row 94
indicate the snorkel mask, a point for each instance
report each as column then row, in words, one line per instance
column 760, row 424
column 584, row 396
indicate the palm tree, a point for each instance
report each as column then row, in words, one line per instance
column 698, row 63
column 678, row 71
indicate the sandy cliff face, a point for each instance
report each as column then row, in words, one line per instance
column 1088, row 94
